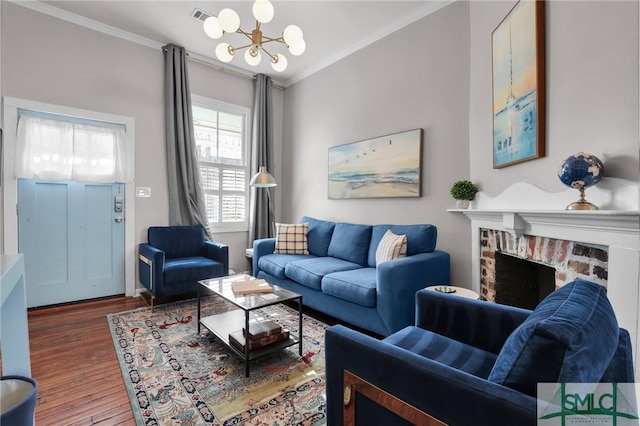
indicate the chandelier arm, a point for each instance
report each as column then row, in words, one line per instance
column 269, row 39
column 243, row 47
column 265, row 51
column 246, row 34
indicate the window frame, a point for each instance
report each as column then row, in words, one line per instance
column 224, row 107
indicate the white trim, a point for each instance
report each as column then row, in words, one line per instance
column 47, row 9
column 10, row 183
column 398, row 24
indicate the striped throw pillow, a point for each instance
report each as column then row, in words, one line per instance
column 391, row 247
column 291, row 238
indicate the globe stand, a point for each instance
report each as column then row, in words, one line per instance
column 582, row 203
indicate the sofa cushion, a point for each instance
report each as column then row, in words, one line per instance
column 319, row 235
column 357, row 286
column 570, row 337
column 447, row 351
column 274, row 264
column 350, row 242
column 177, row 241
column 309, row 272
column 391, row 247
column 191, row 269
column 421, row 238
column 291, row 238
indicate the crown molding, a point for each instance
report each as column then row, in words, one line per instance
column 47, row 9
column 394, row 26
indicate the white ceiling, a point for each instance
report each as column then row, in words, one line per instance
column 332, row 29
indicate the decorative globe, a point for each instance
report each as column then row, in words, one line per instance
column 581, row 170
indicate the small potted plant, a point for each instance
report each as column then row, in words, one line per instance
column 463, row 191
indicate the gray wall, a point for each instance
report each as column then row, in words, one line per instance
column 436, row 74
column 417, row 77
column 49, row 60
column 592, row 91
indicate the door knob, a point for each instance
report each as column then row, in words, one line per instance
column 118, row 219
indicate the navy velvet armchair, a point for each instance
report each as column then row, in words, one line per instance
column 471, row 362
column 177, row 257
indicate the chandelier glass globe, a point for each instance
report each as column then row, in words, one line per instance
column 263, row 11
column 224, row 52
column 292, row 34
column 229, row 20
column 279, row 62
column 298, row 48
column 212, row 27
column 252, row 56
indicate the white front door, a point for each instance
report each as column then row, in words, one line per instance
column 72, row 237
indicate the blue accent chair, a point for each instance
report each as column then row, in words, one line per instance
column 177, row 257
column 471, row 362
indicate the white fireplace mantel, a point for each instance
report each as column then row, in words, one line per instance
column 524, row 209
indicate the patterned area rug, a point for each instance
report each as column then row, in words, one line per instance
column 176, row 376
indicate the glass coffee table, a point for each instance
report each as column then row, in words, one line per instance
column 221, row 325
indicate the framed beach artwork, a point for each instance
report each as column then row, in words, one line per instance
column 383, row 167
column 517, row 46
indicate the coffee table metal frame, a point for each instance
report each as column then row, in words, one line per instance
column 221, row 325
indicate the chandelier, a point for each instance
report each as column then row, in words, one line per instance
column 228, row 21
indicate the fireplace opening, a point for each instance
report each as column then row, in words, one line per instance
column 522, row 283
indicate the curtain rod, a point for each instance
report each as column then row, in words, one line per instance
column 202, row 61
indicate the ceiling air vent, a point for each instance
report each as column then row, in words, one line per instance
column 199, row 14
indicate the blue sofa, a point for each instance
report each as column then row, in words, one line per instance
column 339, row 276
column 471, row 362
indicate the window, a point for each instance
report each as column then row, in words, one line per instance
column 221, row 144
column 57, row 147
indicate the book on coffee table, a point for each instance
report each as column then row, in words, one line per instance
column 250, row 286
column 258, row 329
column 238, row 341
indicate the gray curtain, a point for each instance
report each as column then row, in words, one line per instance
column 261, row 216
column 186, row 200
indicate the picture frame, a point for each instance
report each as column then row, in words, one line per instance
column 387, row 166
column 518, row 80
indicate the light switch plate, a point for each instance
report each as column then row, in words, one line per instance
column 143, row 192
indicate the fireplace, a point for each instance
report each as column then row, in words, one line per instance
column 602, row 246
column 522, row 283
column 538, row 265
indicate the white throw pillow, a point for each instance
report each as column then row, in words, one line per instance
column 291, row 238
column 390, row 247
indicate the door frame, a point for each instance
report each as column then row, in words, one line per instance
column 10, row 182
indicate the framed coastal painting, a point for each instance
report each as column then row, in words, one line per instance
column 517, row 46
column 382, row 167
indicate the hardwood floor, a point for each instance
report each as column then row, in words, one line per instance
column 75, row 364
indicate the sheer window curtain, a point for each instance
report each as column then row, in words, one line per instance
column 261, row 216
column 186, row 197
column 51, row 149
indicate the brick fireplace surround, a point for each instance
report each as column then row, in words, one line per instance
column 570, row 259
column 602, row 245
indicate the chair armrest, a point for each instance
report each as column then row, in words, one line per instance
column 477, row 323
column 150, row 266
column 219, row 252
column 398, row 281
column 260, row 248
column 451, row 396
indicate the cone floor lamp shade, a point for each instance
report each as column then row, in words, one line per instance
column 263, row 179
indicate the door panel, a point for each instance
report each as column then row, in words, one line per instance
column 73, row 246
